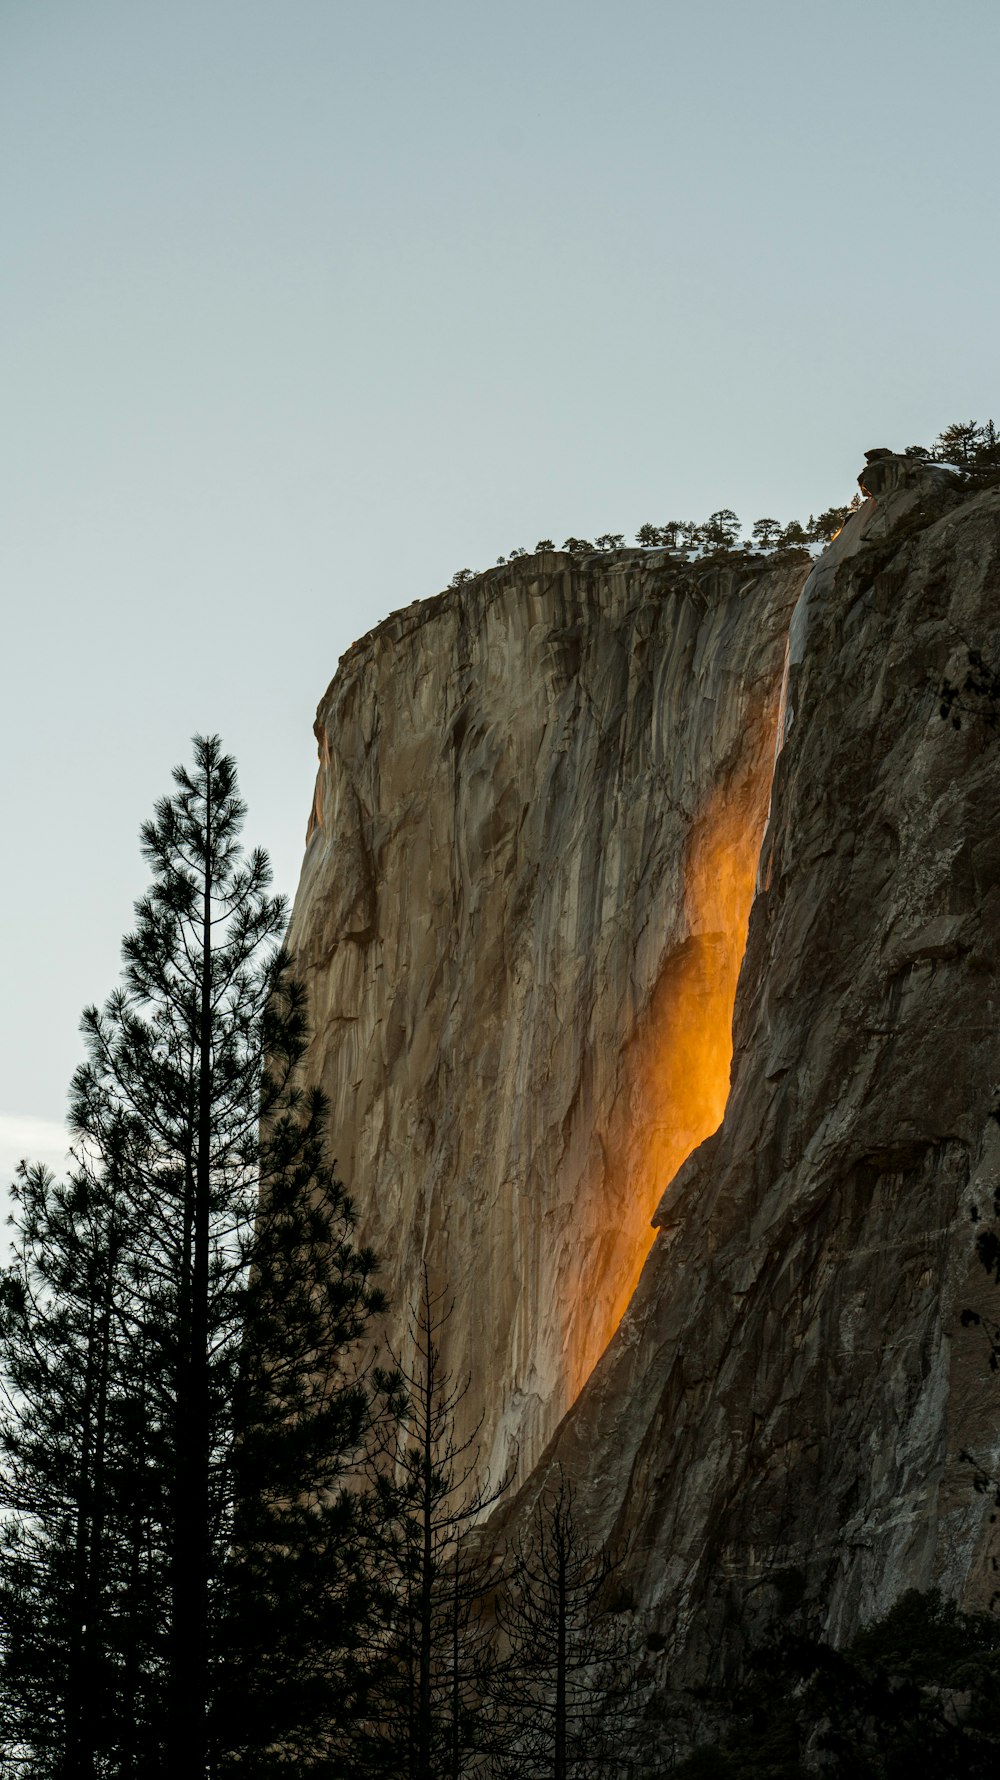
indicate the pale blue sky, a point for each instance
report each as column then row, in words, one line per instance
column 306, row 305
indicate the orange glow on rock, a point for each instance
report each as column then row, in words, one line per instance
column 695, row 1043
column 679, row 1063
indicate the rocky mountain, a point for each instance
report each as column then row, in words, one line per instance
column 521, row 917
column 543, row 804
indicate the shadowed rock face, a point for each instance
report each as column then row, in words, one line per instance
column 521, row 916
column 779, row 1419
column 507, row 895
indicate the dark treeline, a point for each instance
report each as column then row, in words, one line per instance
column 966, row 445
column 917, row 1693
column 230, row 1544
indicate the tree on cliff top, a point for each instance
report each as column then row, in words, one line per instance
column 957, row 443
column 826, row 525
column 721, row 530
column 764, row 532
column 793, row 536
column 975, row 447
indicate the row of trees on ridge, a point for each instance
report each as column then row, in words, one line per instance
column 971, row 447
column 718, row 534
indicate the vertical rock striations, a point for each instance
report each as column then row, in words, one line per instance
column 521, row 917
column 538, row 813
column 780, row 1418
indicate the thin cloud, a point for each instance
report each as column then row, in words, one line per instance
column 37, row 1140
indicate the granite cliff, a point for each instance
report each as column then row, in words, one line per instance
column 542, row 803
column 521, row 917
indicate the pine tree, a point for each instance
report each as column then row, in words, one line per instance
column 176, row 1068
column 564, row 1694
column 764, row 532
column 673, row 533
column 793, row 536
column 721, row 529
column 825, row 526
column 76, row 1588
column 988, row 449
column 186, row 1417
column 427, row 1720
column 957, row 444
column 305, row 1602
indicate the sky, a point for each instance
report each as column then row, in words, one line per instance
column 306, row 305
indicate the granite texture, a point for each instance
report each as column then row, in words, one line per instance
column 538, row 819
column 777, row 1428
column 520, row 919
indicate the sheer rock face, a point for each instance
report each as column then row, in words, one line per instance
column 778, row 1423
column 520, row 920
column 512, row 885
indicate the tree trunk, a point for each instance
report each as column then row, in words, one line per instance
column 189, row 1656
column 85, row 1691
column 75, row 1766
column 426, row 1584
column 559, row 1751
column 456, row 1688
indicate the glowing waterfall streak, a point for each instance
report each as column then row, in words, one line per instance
column 679, row 1068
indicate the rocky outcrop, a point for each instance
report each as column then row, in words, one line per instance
column 538, row 813
column 521, row 917
column 778, row 1423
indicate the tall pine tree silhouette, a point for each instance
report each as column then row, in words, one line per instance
column 179, row 1342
